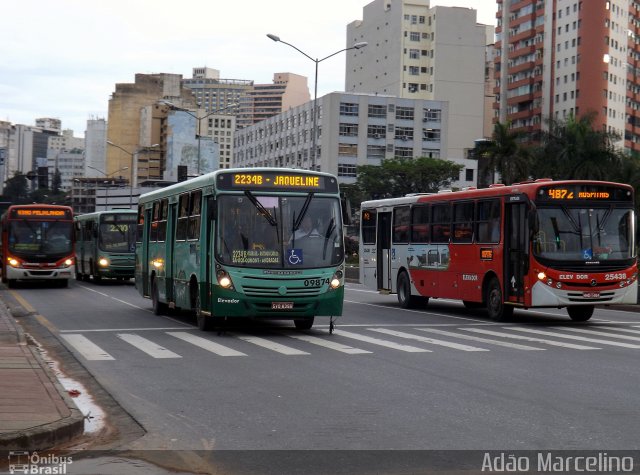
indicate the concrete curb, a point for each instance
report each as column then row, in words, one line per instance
column 48, row 435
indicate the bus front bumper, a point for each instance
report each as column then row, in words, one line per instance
column 20, row 273
column 543, row 295
column 233, row 304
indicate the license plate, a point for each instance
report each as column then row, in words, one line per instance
column 281, row 305
column 591, row 295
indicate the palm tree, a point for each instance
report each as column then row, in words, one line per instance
column 506, row 155
column 572, row 149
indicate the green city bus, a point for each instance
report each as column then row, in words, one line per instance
column 232, row 243
column 105, row 244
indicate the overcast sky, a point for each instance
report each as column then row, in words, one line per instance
column 62, row 59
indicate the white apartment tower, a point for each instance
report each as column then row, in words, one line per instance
column 420, row 52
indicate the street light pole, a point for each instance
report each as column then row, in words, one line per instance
column 134, row 168
column 314, row 132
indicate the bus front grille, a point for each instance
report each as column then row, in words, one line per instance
column 275, row 292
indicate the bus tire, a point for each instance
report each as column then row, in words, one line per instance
column 304, row 323
column 405, row 299
column 580, row 313
column 496, row 308
column 159, row 308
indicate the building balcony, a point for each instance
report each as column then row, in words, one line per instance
column 521, row 67
column 518, row 99
column 522, row 51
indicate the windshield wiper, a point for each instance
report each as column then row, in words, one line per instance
column 263, row 211
column 298, row 221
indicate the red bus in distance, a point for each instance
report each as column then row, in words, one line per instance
column 562, row 244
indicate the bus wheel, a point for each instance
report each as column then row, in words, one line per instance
column 304, row 323
column 405, row 298
column 498, row 311
column 580, row 314
column 159, row 308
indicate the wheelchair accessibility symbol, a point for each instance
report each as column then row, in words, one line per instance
column 587, row 254
column 295, row 256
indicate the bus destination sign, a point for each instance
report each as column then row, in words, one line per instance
column 274, row 180
column 39, row 213
column 584, row 193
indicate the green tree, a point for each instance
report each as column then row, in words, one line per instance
column 16, row 189
column 398, row 177
column 506, row 155
column 573, row 149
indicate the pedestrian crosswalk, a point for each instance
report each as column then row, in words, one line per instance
column 160, row 343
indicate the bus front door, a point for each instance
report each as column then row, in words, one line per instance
column 383, row 257
column 515, row 248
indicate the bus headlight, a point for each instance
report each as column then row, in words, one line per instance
column 541, row 275
column 104, row 262
column 336, row 280
column 224, row 280
column 13, row 262
column 68, row 262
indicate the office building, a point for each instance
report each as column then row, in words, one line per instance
column 353, row 130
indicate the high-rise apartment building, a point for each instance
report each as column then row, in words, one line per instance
column 421, row 52
column 561, row 57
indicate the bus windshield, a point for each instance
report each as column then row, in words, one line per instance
column 292, row 232
column 117, row 234
column 47, row 238
column 584, row 234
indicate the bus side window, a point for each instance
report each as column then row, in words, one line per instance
column 401, row 224
column 488, row 221
column 368, row 224
column 441, row 223
column 140, row 226
column 463, row 222
column 183, row 217
column 194, row 215
column 420, row 224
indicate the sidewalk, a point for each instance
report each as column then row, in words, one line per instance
column 35, row 411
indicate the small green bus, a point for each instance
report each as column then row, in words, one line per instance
column 255, row 242
column 105, row 244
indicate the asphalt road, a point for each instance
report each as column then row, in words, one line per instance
column 438, row 378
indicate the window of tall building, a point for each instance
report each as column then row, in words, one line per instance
column 347, row 170
column 404, row 113
column 348, row 109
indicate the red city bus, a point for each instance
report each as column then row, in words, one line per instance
column 529, row 245
column 37, row 243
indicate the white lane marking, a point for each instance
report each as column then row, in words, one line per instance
column 377, row 341
column 619, row 329
column 424, row 312
column 330, row 344
column 88, row 330
column 152, row 349
column 425, row 339
column 87, row 348
column 574, row 337
column 529, row 338
column 599, row 333
column 205, row 344
column 482, row 340
column 271, row 345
